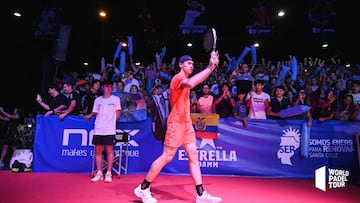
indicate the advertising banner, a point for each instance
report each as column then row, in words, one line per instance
column 266, row 148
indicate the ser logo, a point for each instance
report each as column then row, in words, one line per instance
column 86, row 137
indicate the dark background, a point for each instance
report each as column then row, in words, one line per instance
column 28, row 60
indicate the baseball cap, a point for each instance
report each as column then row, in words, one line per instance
column 185, row 58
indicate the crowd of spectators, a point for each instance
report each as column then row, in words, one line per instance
column 248, row 91
column 327, row 85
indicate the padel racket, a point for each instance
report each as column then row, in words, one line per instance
column 209, row 40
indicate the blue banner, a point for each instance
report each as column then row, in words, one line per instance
column 266, row 148
column 65, row 146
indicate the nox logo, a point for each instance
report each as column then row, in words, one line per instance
column 337, row 178
column 77, row 132
column 86, row 138
column 131, row 133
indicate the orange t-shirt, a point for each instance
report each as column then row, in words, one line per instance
column 179, row 124
column 179, row 100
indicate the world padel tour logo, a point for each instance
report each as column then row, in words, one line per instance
column 334, row 178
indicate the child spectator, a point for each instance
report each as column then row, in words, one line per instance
column 241, row 111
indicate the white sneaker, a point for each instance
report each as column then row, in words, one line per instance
column 145, row 195
column 207, row 198
column 108, row 178
column 98, row 176
column 1, row 164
